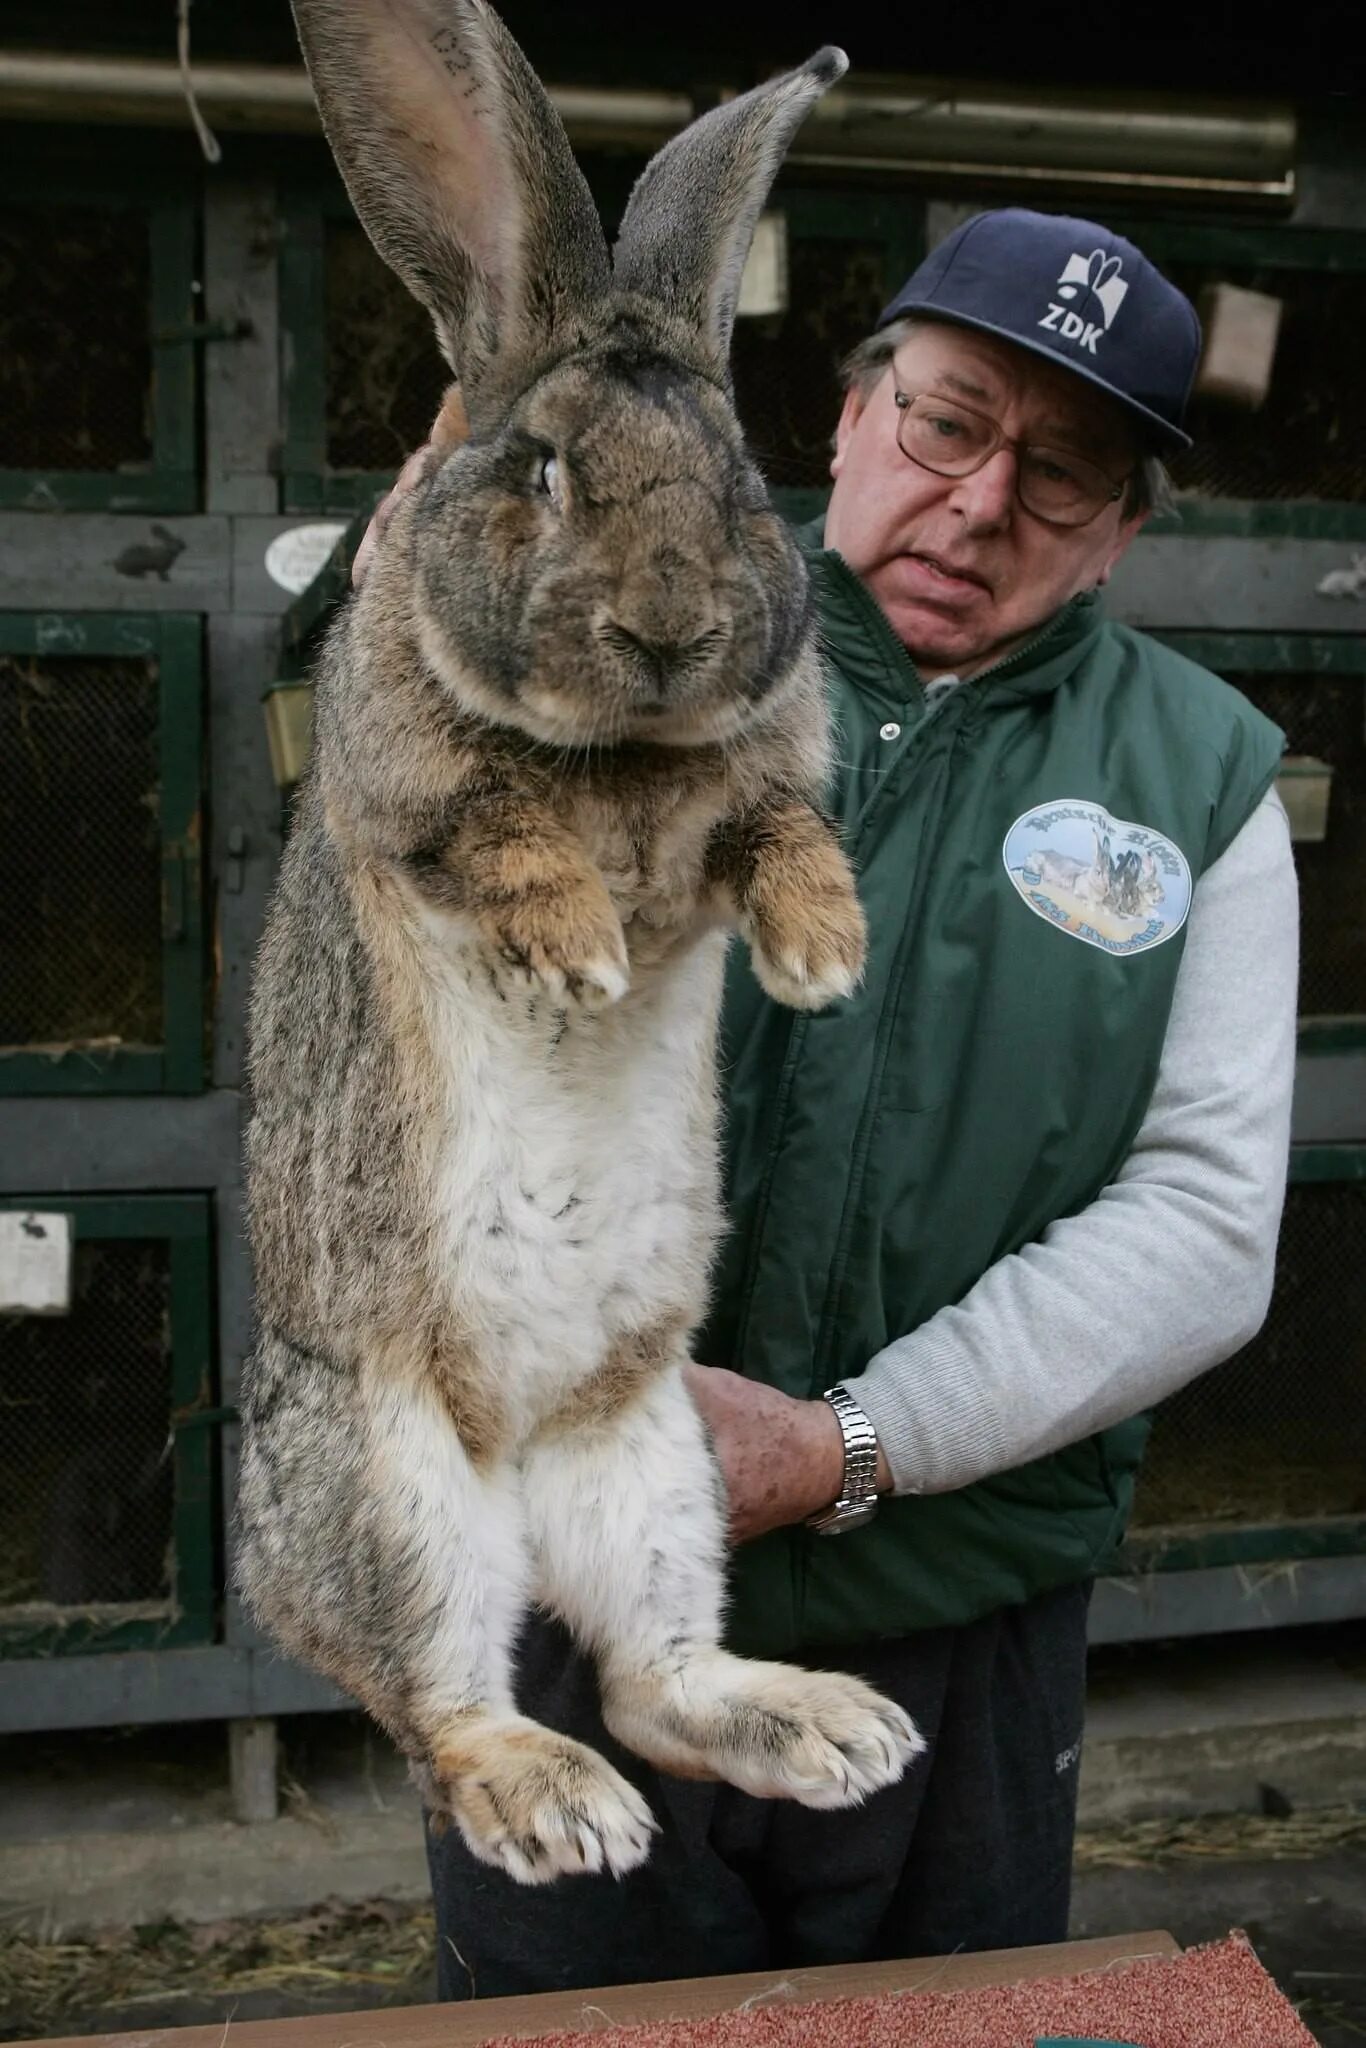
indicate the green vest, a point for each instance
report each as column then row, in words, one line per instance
column 988, row 1078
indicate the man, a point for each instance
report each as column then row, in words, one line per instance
column 1020, row 1188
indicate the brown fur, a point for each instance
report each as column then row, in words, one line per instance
column 468, row 1391
column 628, row 1368
column 570, row 722
column 482, row 821
column 537, row 899
column 521, row 1783
column 789, row 883
column 452, row 426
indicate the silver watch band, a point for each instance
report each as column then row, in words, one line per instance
column 857, row 1502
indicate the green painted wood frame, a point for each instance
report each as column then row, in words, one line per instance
column 173, row 641
column 185, row 1222
column 308, row 485
column 171, row 483
column 1269, row 1545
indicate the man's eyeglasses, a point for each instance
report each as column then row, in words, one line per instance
column 953, row 440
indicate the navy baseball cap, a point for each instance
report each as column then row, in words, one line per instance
column 1076, row 294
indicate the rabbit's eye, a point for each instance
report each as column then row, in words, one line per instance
column 548, row 478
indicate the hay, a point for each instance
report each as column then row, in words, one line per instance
column 375, row 1954
column 1241, row 1836
column 1196, row 1487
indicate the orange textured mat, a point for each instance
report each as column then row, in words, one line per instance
column 1214, row 1997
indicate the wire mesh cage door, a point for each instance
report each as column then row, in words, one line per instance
column 361, row 376
column 101, row 967
column 1323, row 718
column 847, row 254
column 106, row 1538
column 1313, row 686
column 1308, row 439
column 1296, row 462
column 97, row 362
column 1264, row 1458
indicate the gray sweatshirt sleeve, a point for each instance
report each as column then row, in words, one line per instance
column 1169, row 1270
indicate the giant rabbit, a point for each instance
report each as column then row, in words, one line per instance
column 568, row 733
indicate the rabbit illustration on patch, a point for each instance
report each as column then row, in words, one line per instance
column 1088, row 882
column 1126, row 884
column 1136, row 888
column 569, row 733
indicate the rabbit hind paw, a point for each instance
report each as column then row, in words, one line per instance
column 538, row 1805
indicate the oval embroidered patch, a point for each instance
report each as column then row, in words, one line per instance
column 1116, row 885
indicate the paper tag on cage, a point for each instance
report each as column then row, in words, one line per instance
column 295, row 556
column 35, row 1263
column 763, row 281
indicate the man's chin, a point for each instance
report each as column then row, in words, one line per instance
column 932, row 641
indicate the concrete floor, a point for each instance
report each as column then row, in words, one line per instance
column 135, row 1827
column 1306, row 1920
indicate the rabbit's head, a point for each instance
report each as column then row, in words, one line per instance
column 599, row 560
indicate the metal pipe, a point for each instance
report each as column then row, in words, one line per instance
column 941, row 123
column 910, row 127
column 47, row 85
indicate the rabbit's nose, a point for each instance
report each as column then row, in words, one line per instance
column 657, row 659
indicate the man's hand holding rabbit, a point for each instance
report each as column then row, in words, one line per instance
column 781, row 1459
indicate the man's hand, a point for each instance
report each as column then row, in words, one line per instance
column 781, row 1459
column 449, row 429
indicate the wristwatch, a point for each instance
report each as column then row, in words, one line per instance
column 857, row 1501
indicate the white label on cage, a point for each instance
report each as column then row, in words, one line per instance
column 763, row 281
column 35, row 1263
column 294, row 557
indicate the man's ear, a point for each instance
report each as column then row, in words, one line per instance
column 1127, row 534
column 850, row 414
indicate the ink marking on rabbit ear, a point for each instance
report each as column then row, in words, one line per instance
column 688, row 226
column 454, row 56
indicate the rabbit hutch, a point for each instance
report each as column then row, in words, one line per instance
column 205, row 382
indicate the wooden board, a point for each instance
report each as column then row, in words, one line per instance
column 688, row 1998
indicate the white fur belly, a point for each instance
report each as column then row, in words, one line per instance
column 575, row 1188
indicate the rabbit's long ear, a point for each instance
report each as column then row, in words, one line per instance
column 462, row 176
column 691, row 218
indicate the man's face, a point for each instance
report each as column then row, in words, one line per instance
column 963, row 572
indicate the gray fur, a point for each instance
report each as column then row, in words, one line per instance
column 691, row 218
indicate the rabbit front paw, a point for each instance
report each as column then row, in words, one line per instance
column 807, row 933
column 567, row 943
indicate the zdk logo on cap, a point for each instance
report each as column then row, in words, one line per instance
column 1096, row 277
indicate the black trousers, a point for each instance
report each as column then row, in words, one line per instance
column 972, row 1850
